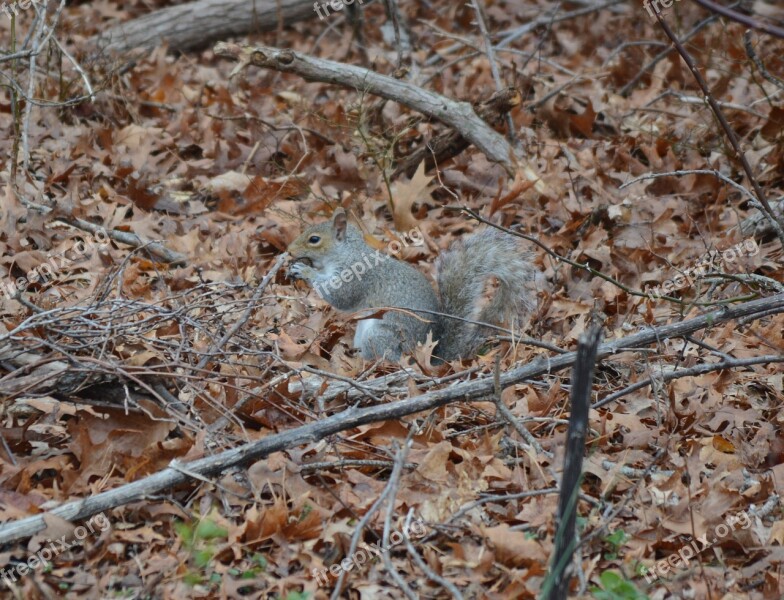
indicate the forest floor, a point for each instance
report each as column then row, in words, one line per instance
column 115, row 362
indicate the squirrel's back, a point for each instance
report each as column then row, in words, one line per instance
column 463, row 273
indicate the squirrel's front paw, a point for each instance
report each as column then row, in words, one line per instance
column 300, row 270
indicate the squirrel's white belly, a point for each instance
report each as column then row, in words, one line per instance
column 364, row 331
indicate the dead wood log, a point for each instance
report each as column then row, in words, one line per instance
column 460, row 116
column 477, row 389
column 196, row 24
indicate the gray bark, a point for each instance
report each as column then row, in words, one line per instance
column 195, row 24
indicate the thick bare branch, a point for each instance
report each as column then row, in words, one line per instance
column 460, row 116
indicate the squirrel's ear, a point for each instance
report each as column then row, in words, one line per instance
column 339, row 224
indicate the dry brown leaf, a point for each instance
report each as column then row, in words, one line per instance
column 406, row 194
column 514, row 548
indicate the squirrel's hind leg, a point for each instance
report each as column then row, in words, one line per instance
column 376, row 339
column 365, row 329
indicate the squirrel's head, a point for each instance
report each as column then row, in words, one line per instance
column 318, row 243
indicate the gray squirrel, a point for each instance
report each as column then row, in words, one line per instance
column 333, row 258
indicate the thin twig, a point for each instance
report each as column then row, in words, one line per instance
column 350, row 463
column 730, row 133
column 392, row 485
column 758, row 61
column 509, row 416
column 479, row 8
column 682, row 172
column 746, row 20
column 429, row 573
column 548, row 19
column 734, row 363
column 624, row 91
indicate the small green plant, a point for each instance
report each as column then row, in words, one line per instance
column 306, row 510
column 615, row 540
column 197, row 538
column 259, row 565
column 640, row 570
column 615, row 586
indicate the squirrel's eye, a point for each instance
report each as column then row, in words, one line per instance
column 314, row 239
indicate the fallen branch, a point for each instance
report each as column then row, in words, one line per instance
column 478, row 389
column 195, row 24
column 460, row 116
column 154, row 249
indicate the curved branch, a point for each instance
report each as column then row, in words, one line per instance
column 460, row 116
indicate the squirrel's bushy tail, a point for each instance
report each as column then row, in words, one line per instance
column 463, row 273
